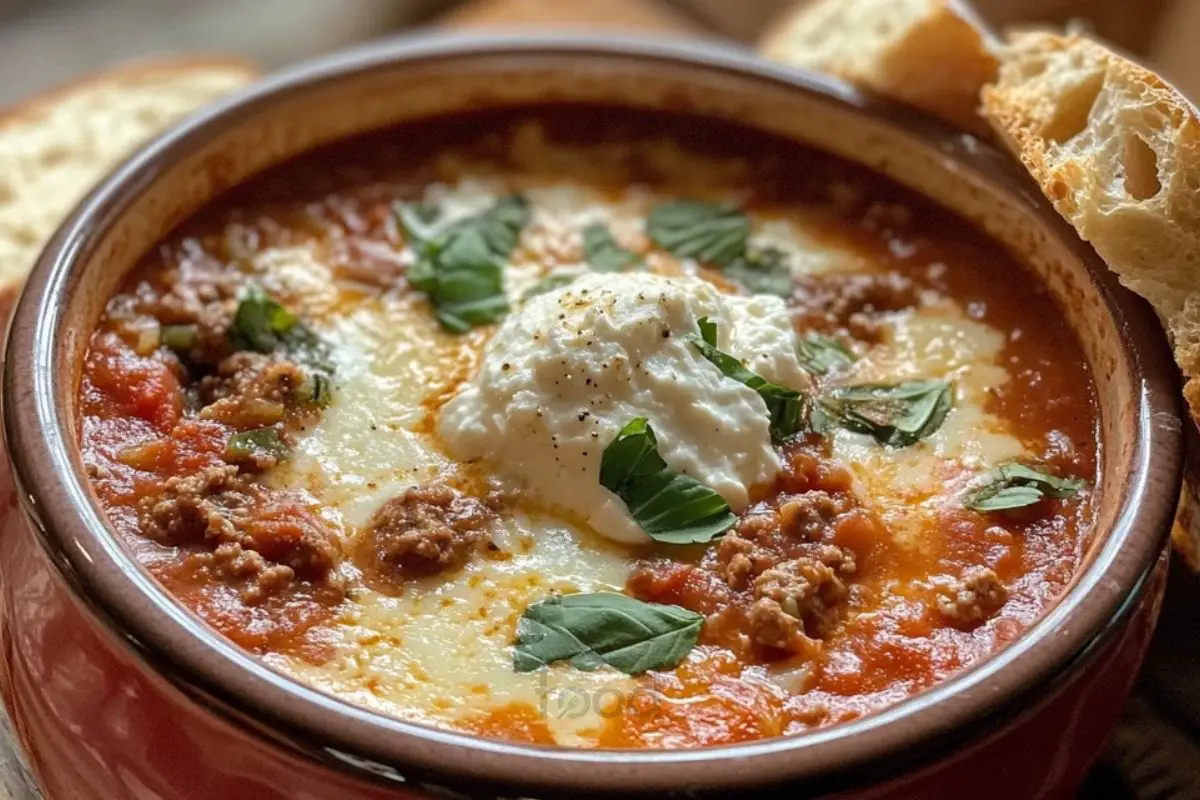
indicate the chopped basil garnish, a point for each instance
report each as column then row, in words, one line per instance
column 180, row 338
column 602, row 251
column 821, row 354
column 1017, row 486
column 263, row 325
column 549, row 284
column 785, row 406
column 668, row 506
column 763, row 271
column 461, row 265
column 717, row 234
column 260, row 322
column 708, row 232
column 592, row 630
column 898, row 415
column 320, row 390
column 251, row 444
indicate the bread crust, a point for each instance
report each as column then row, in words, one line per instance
column 57, row 144
column 150, row 70
column 1117, row 150
column 928, row 53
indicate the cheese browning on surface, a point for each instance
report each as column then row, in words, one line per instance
column 388, row 533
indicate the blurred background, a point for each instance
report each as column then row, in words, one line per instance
column 46, row 42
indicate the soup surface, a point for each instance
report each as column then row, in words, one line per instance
column 596, row 428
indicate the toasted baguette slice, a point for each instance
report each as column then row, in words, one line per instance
column 1117, row 150
column 57, row 146
column 928, row 53
column 645, row 15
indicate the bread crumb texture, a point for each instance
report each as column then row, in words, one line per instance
column 923, row 52
column 56, row 147
column 1117, row 150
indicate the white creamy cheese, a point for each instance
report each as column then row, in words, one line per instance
column 564, row 373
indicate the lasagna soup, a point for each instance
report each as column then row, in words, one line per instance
column 592, row 427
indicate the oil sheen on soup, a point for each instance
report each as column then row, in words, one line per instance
column 594, row 428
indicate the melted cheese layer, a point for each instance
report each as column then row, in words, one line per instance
column 441, row 652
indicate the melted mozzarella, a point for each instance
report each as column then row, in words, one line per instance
column 568, row 370
column 441, row 652
column 907, row 485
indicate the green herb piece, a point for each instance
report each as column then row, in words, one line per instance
column 668, row 506
column 549, row 284
column 419, row 221
column 711, row 233
column 897, row 415
column 263, row 325
column 591, row 630
column 602, row 251
column 256, row 443
column 180, row 338
column 764, row 271
column 461, row 265
column 319, row 389
column 260, row 322
column 785, row 406
column 822, row 354
column 1017, row 486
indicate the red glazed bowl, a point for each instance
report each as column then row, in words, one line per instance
column 116, row 690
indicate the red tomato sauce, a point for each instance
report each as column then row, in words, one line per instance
column 889, row 637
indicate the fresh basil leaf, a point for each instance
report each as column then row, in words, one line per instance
column 670, row 507
column 263, row 325
column 711, row 233
column 179, row 338
column 319, row 390
column 260, row 442
column 784, row 406
column 602, row 251
column 820, row 355
column 1017, row 486
column 419, row 221
column 260, row 322
column 461, row 265
column 764, row 271
column 594, row 629
column 897, row 415
column 549, row 284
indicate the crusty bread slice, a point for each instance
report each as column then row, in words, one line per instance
column 57, row 146
column 931, row 54
column 1117, row 150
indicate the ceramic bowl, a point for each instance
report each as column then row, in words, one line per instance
column 116, row 690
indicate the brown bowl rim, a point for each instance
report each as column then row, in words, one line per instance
column 54, row 493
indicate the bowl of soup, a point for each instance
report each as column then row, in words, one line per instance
column 546, row 416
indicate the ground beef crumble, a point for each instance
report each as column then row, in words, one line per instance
column 249, row 390
column 424, row 531
column 259, row 538
column 776, row 584
column 226, row 524
column 970, row 600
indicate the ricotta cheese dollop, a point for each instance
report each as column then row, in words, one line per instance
column 566, row 371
